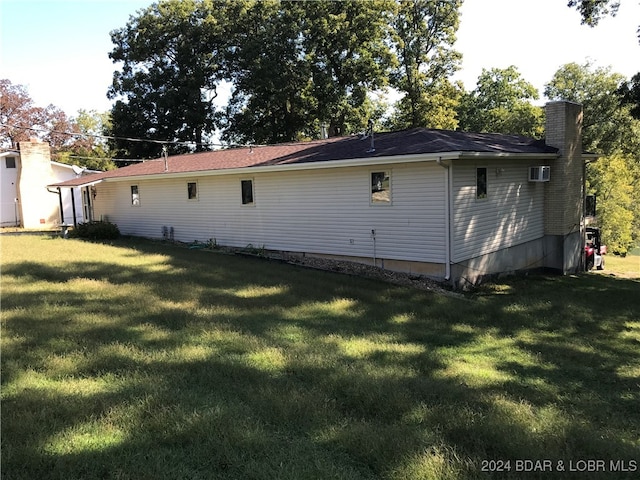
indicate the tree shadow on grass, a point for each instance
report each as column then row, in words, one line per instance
column 241, row 368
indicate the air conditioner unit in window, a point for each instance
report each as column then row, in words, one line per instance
column 539, row 173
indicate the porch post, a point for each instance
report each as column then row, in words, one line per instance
column 89, row 214
column 61, row 206
column 73, row 206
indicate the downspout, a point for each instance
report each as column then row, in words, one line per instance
column 59, row 193
column 447, row 219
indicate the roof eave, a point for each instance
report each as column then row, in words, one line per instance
column 248, row 170
column 79, row 185
column 508, row 155
column 356, row 162
column 9, row 153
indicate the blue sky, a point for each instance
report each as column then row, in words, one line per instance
column 59, row 49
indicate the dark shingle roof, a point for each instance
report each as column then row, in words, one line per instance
column 388, row 144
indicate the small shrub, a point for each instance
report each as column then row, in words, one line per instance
column 253, row 250
column 96, row 231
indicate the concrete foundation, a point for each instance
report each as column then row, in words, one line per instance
column 517, row 258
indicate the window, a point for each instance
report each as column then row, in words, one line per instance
column 192, row 190
column 381, row 187
column 246, row 187
column 481, row 183
column 135, row 196
column 10, row 162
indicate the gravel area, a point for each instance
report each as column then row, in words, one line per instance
column 369, row 271
column 338, row 266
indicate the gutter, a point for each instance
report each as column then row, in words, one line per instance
column 356, row 162
column 74, row 184
column 447, row 218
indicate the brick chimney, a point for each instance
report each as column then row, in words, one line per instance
column 564, row 193
column 38, row 207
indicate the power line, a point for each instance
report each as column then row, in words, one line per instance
column 130, row 139
column 107, row 158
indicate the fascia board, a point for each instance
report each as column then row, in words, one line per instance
column 80, row 185
column 359, row 162
column 63, row 165
column 10, row 153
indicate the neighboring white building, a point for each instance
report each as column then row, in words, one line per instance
column 10, row 209
column 451, row 205
column 27, row 201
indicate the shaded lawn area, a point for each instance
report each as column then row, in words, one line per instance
column 141, row 360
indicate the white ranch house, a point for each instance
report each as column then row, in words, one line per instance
column 451, row 205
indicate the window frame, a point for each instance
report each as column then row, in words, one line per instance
column 135, row 197
column 197, row 191
column 10, row 160
column 482, row 196
column 252, row 203
column 387, row 173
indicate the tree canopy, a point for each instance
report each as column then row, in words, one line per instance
column 608, row 126
column 24, row 120
column 293, row 66
column 423, row 35
column 297, row 65
column 501, row 103
column 592, row 11
column 72, row 140
column 170, row 69
column 630, row 95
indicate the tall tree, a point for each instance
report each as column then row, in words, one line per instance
column 24, row 120
column 72, row 140
column 592, row 11
column 630, row 94
column 612, row 180
column 18, row 113
column 348, row 55
column 607, row 126
column 424, row 32
column 501, row 103
column 170, row 58
column 271, row 79
column 292, row 65
column 297, row 65
column 90, row 149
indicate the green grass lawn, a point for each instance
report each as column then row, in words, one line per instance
column 139, row 360
column 627, row 267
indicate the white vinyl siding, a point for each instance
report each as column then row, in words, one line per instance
column 512, row 213
column 326, row 211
